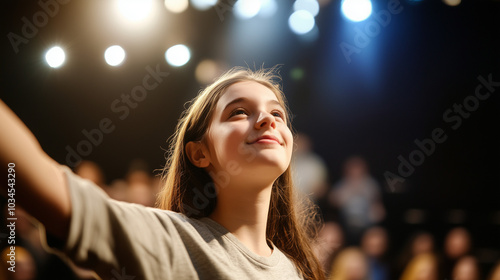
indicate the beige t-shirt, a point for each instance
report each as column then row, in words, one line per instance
column 120, row 240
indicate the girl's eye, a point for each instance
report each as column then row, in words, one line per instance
column 277, row 114
column 238, row 112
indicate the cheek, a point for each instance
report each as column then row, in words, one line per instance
column 226, row 140
column 287, row 135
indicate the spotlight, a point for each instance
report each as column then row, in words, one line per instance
column 135, row 10
column 246, row 9
column 203, row 4
column 268, row 8
column 114, row 55
column 55, row 57
column 356, row 10
column 312, row 6
column 301, row 22
column 207, row 70
column 176, row 6
column 452, row 2
column 177, row 55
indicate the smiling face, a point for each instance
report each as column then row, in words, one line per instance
column 249, row 132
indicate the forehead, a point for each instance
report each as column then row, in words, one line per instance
column 249, row 90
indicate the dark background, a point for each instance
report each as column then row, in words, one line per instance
column 394, row 91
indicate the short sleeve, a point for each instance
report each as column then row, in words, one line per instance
column 118, row 239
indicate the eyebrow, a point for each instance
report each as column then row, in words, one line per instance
column 243, row 99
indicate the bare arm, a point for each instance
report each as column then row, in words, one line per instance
column 40, row 185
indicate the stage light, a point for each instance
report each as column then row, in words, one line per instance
column 177, row 55
column 452, row 2
column 356, row 10
column 207, row 70
column 135, row 10
column 268, row 8
column 114, row 55
column 312, row 6
column 301, row 22
column 297, row 73
column 310, row 36
column 246, row 9
column 55, row 57
column 203, row 4
column 176, row 6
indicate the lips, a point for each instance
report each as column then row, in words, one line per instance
column 266, row 139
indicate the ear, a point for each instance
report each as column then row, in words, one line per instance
column 197, row 154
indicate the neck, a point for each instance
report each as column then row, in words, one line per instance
column 243, row 210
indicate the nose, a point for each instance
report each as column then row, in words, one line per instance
column 264, row 120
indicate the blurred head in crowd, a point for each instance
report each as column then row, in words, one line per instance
column 139, row 173
column 141, row 194
column 355, row 167
column 466, row 268
column 118, row 190
column 139, row 180
column 91, row 171
column 329, row 241
column 25, row 267
column 350, row 264
column 374, row 242
column 422, row 242
column 421, row 267
column 457, row 243
column 331, row 235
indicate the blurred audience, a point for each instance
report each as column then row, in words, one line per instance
column 25, row 267
column 351, row 245
column 357, row 196
column 349, row 264
column 118, row 189
column 311, row 173
column 32, row 260
column 457, row 243
column 140, row 184
column 420, row 242
column 422, row 267
column 374, row 244
column 466, row 268
column 92, row 171
column 329, row 242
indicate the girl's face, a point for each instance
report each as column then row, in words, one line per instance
column 248, row 136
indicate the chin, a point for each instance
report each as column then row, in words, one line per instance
column 269, row 165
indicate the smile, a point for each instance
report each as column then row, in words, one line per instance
column 266, row 139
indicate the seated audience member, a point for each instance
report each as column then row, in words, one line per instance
column 91, row 171
column 328, row 244
column 466, row 268
column 357, row 196
column 421, row 267
column 457, row 243
column 311, row 173
column 374, row 245
column 420, row 242
column 349, row 264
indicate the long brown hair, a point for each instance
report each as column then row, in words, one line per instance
column 292, row 221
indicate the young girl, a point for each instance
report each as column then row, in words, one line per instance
column 227, row 210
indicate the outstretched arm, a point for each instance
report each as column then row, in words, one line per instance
column 40, row 186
